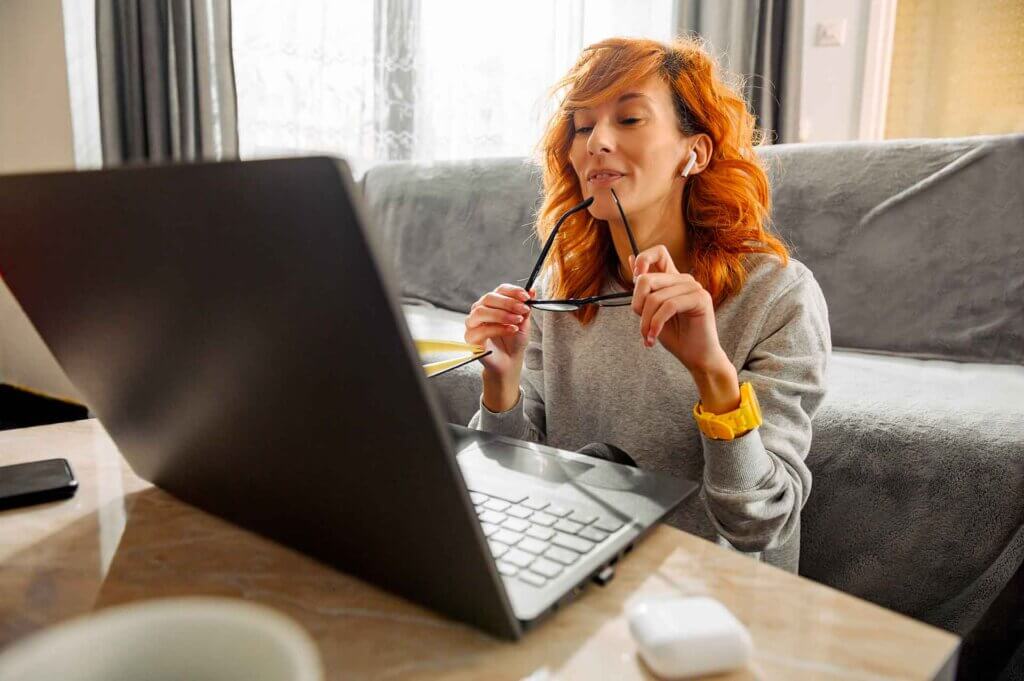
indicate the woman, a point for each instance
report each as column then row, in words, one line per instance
column 721, row 317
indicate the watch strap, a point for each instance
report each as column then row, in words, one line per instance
column 733, row 424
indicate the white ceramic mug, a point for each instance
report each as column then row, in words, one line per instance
column 195, row 638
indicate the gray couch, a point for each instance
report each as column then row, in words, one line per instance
column 918, row 449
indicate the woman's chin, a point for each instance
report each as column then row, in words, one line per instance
column 603, row 207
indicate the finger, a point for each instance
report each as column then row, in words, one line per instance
column 686, row 305
column 666, row 311
column 513, row 291
column 656, row 300
column 660, row 280
column 640, row 266
column 646, row 284
column 489, row 315
column 502, row 302
column 641, row 289
column 478, row 335
column 654, row 259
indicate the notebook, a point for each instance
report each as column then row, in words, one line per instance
column 441, row 356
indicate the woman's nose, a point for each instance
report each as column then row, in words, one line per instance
column 601, row 139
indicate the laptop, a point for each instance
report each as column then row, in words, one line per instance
column 238, row 334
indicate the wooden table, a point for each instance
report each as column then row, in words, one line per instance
column 120, row 539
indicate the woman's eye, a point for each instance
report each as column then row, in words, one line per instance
column 587, row 128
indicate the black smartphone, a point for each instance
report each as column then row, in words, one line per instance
column 36, row 482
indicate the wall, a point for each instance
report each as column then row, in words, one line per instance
column 942, row 84
column 35, row 114
column 832, row 76
column 35, row 134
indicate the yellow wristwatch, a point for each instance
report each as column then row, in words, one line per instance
column 731, row 425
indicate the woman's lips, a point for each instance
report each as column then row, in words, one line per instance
column 605, row 179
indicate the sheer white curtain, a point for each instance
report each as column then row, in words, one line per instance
column 83, row 86
column 419, row 79
column 304, row 76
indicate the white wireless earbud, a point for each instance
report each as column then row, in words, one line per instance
column 689, row 164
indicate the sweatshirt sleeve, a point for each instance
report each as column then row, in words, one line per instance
column 526, row 420
column 756, row 485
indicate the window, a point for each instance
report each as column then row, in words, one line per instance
column 403, row 79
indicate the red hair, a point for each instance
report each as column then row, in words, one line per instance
column 726, row 206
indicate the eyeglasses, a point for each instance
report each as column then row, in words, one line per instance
column 571, row 304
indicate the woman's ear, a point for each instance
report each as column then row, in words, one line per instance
column 702, row 147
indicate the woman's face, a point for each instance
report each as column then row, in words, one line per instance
column 634, row 145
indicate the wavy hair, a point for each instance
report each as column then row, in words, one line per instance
column 726, row 206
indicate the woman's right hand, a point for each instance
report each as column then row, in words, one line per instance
column 500, row 322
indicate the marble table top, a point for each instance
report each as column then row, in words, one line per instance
column 120, row 539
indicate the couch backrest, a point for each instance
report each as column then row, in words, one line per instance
column 455, row 230
column 918, row 244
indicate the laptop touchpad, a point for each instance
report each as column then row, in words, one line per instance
column 502, row 457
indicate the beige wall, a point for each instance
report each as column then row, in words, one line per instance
column 35, row 134
column 35, row 114
column 957, row 69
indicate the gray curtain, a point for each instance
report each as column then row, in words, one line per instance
column 166, row 80
column 759, row 41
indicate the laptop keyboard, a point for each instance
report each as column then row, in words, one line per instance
column 534, row 540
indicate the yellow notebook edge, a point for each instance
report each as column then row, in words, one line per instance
column 474, row 352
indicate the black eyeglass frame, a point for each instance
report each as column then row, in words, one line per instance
column 570, row 304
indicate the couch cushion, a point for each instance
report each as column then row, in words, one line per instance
column 918, row 244
column 918, row 479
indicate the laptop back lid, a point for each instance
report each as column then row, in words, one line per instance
column 229, row 325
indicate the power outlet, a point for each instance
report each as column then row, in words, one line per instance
column 830, row 33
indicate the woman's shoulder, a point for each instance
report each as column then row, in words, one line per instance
column 777, row 293
column 770, row 277
column 772, row 288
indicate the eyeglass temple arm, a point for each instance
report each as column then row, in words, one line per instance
column 586, row 301
column 551, row 238
column 629, row 231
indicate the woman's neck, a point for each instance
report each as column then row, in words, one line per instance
column 661, row 224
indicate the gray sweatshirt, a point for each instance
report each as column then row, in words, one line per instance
column 598, row 383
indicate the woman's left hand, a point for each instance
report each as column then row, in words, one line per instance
column 676, row 310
